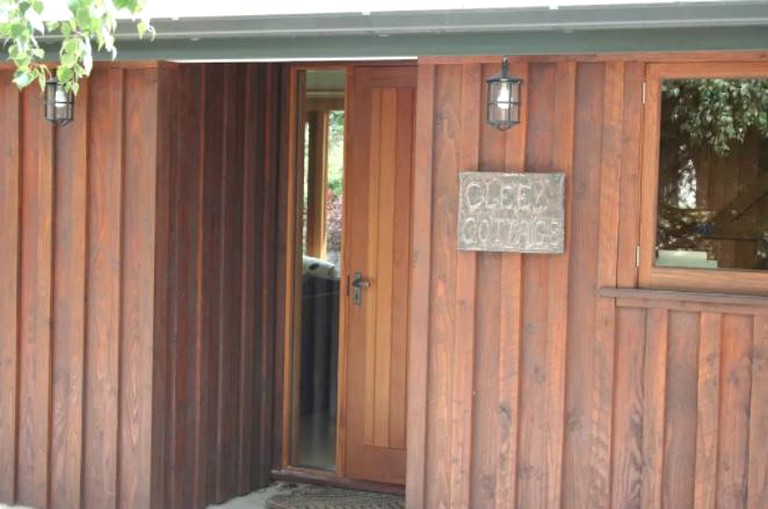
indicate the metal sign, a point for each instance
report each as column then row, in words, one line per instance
column 512, row 212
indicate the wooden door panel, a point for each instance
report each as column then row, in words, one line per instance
column 378, row 245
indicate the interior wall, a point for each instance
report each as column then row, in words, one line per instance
column 528, row 386
column 221, row 275
column 77, row 276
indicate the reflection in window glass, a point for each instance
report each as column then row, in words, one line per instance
column 317, row 342
column 713, row 174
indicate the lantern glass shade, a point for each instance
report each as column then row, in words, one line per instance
column 503, row 99
column 59, row 104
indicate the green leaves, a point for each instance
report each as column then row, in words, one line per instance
column 89, row 21
column 717, row 112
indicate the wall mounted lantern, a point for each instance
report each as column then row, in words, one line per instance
column 59, row 104
column 503, row 98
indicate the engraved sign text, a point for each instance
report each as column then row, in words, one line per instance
column 512, row 212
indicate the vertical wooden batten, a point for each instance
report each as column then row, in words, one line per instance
column 70, row 307
column 418, row 323
column 139, row 255
column 510, row 323
column 468, row 153
column 10, row 242
column 105, row 277
column 35, row 312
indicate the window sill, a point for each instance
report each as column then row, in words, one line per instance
column 694, row 301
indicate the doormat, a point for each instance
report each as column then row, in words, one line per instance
column 321, row 497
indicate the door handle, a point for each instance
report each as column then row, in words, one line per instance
column 358, row 283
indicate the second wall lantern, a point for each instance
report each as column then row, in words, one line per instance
column 503, row 109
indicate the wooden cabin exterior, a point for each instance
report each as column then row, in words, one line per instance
column 148, row 251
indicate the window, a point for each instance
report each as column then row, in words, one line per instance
column 705, row 177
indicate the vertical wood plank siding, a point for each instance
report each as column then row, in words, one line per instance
column 77, row 308
column 135, row 278
column 527, row 386
column 221, row 307
column 140, row 314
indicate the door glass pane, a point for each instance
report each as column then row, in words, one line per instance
column 713, row 174
column 316, row 386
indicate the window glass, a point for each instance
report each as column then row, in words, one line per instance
column 713, row 174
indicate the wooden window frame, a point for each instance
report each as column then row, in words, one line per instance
column 650, row 276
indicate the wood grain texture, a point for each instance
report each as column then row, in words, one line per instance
column 69, row 309
column 10, row 199
column 446, row 130
column 557, row 296
column 758, row 428
column 627, row 450
column 680, row 410
column 223, row 215
column 533, row 476
column 484, row 453
column 623, row 375
column 380, row 114
column 420, row 266
column 104, row 389
column 660, row 401
column 86, row 428
column 401, row 269
column 269, row 157
column 736, row 382
column 247, row 348
column 231, row 214
column 221, row 368
column 629, row 197
column 707, row 420
column 105, row 276
column 510, row 323
column 186, row 378
column 137, row 289
column 655, row 384
column 212, row 267
column 161, row 374
column 584, row 447
column 462, row 372
column 35, row 313
column 605, row 319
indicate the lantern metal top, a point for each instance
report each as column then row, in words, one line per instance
column 59, row 103
column 503, row 107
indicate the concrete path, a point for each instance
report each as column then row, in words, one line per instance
column 255, row 500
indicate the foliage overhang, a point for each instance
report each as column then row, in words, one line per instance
column 88, row 23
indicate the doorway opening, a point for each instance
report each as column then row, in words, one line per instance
column 350, row 155
column 317, row 306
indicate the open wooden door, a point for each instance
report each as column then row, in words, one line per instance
column 377, row 257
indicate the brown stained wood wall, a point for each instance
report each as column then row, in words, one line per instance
column 527, row 386
column 78, row 281
column 137, row 289
column 221, row 313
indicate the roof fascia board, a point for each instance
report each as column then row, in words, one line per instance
column 647, row 16
column 518, row 43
